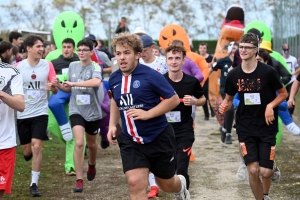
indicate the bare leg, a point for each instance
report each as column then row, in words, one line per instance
column 255, row 183
column 138, row 182
column 36, row 146
column 91, row 141
column 78, row 132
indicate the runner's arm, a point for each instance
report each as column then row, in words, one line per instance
column 293, row 92
column 282, row 95
column 226, row 104
column 200, row 101
column 94, row 82
column 15, row 102
column 114, row 113
column 164, row 107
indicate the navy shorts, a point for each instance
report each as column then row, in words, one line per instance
column 158, row 156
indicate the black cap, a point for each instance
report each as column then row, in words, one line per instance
column 256, row 32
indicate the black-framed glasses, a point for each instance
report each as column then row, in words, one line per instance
column 82, row 50
column 285, row 49
column 247, row 48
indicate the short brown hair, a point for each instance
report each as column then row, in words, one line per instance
column 175, row 47
column 128, row 39
column 250, row 38
column 264, row 54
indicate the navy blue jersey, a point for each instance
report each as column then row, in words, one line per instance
column 142, row 89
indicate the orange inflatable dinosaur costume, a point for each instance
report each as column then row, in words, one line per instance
column 232, row 30
column 175, row 32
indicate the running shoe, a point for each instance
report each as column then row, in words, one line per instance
column 242, row 173
column 223, row 134
column 184, row 194
column 79, row 186
column 71, row 172
column 153, row 192
column 104, row 144
column 34, row 191
column 276, row 175
column 266, row 197
column 91, row 173
column 228, row 139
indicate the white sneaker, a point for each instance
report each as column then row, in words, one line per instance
column 276, row 175
column 266, row 197
column 184, row 194
column 293, row 128
column 242, row 173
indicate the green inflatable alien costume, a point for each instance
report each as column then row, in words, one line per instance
column 68, row 24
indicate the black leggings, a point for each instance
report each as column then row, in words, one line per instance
column 228, row 118
column 205, row 106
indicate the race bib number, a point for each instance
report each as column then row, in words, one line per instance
column 33, row 95
column 252, row 98
column 83, row 99
column 173, row 116
column 64, row 71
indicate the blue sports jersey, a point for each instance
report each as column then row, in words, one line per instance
column 142, row 89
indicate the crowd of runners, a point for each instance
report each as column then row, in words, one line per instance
column 153, row 94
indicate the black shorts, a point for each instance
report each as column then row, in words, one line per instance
column 91, row 127
column 158, row 156
column 259, row 149
column 33, row 127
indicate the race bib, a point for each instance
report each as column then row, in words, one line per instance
column 83, row 99
column 33, row 95
column 252, row 98
column 64, row 71
column 173, row 116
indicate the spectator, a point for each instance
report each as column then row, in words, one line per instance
column 47, row 48
column 101, row 47
column 15, row 38
column 122, row 26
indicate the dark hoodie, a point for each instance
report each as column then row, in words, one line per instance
column 62, row 63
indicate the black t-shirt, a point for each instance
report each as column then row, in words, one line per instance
column 188, row 85
column 62, row 63
column 263, row 81
column 224, row 65
column 209, row 59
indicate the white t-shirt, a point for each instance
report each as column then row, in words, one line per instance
column 35, row 80
column 11, row 83
column 159, row 64
column 292, row 63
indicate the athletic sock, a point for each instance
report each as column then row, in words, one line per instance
column 152, row 180
column 227, row 134
column 35, row 177
column 66, row 132
column 224, row 129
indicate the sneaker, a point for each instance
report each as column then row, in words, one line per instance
column 153, row 192
column 293, row 128
column 184, row 194
column 71, row 172
column 266, row 197
column 34, row 191
column 228, row 139
column 79, row 186
column 223, row 134
column 104, row 144
column 276, row 175
column 206, row 118
column 242, row 172
column 91, row 173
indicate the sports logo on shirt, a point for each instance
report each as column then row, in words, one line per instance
column 136, row 84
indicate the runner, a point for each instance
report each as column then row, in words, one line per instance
column 190, row 92
column 56, row 102
column 84, row 79
column 257, row 114
column 224, row 65
column 147, row 142
column 32, row 123
column 11, row 98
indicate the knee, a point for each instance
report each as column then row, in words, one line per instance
column 136, row 184
column 36, row 148
column 92, row 145
column 266, row 173
column 253, row 170
column 79, row 144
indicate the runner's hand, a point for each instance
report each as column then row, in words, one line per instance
column 68, row 84
column 223, row 108
column 269, row 114
column 291, row 103
column 55, row 82
column 49, row 86
column 188, row 100
column 112, row 135
column 138, row 114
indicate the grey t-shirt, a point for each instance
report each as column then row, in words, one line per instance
column 84, row 100
column 104, row 58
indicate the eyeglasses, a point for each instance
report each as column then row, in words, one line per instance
column 247, row 48
column 285, row 49
column 82, row 50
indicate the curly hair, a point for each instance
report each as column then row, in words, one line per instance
column 131, row 40
column 176, row 46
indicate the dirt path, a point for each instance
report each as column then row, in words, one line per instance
column 212, row 174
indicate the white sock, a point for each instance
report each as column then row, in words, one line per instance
column 66, row 132
column 293, row 128
column 224, row 129
column 152, row 180
column 35, row 177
